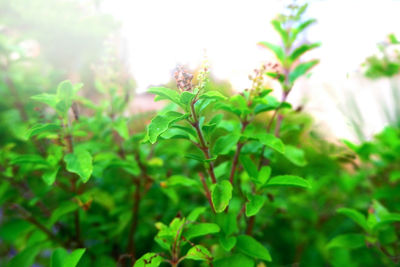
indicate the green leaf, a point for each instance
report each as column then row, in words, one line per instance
column 80, row 162
column 356, row 216
column 26, row 257
column 41, row 128
column 65, row 94
column 213, row 95
column 301, row 69
column 186, row 98
column 251, row 247
column 161, row 123
column 62, row 209
column 249, row 166
column 200, row 229
column 263, row 175
column 282, row 32
column 121, row 127
column 149, row 260
column 295, row 155
column 29, row 159
column 165, row 93
column 180, row 180
column 235, row 260
column 387, row 219
column 221, row 194
column 61, row 258
column 225, row 143
column 194, row 214
column 278, row 51
column 254, row 205
column 302, row 49
column 199, row 253
column 288, row 180
column 271, row 141
column 347, row 241
column 228, row 222
column 301, row 28
column 48, row 99
column 50, row 175
column 227, row 243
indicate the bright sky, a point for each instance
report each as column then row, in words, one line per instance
column 160, row 34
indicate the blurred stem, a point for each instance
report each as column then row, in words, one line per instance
column 207, row 190
column 239, row 146
column 14, row 92
column 203, row 145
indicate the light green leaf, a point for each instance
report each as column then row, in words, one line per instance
column 149, row 260
column 221, row 194
column 227, row 243
column 50, row 175
column 348, row 241
column 61, row 258
column 251, row 247
column 121, row 127
column 263, row 175
column 295, row 155
column 288, row 180
column 249, row 166
column 302, row 49
column 161, row 123
column 180, row 180
column 225, row 143
column 254, row 205
column 41, row 128
column 301, row 69
column 186, row 98
column 199, row 253
column 200, row 229
column 356, row 216
column 165, row 93
column 213, row 95
column 271, row 141
column 48, row 99
column 282, row 32
column 194, row 214
column 278, row 51
column 80, row 162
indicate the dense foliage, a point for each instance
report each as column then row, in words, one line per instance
column 212, row 179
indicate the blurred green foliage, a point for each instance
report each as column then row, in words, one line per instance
column 216, row 178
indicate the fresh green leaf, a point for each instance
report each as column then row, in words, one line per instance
column 254, row 205
column 80, row 162
column 271, row 141
column 225, row 143
column 161, row 123
column 288, row 180
column 302, row 49
column 356, row 216
column 227, row 243
column 149, row 260
column 295, row 155
column 61, row 258
column 234, row 260
column 301, row 69
column 277, row 50
column 200, row 229
column 348, row 241
column 199, row 253
column 221, row 194
column 165, row 93
column 251, row 247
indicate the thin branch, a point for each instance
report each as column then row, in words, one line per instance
column 207, row 191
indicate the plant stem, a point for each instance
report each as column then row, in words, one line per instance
column 207, row 190
column 203, row 145
column 239, row 146
column 135, row 219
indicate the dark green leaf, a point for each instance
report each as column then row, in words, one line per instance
column 225, row 143
column 356, row 216
column 348, row 241
column 234, row 260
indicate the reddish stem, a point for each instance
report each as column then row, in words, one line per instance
column 208, row 194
